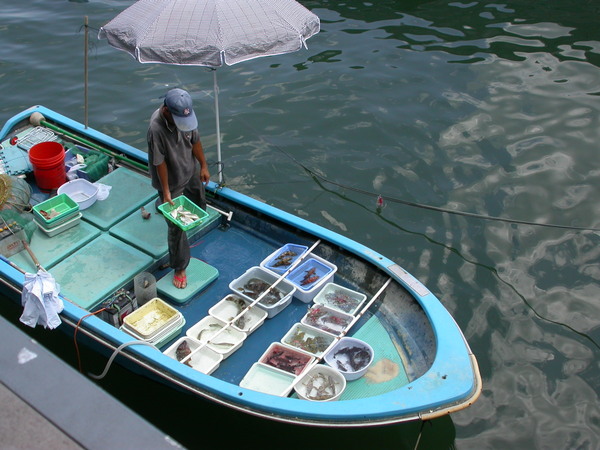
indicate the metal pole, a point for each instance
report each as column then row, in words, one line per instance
column 85, row 72
column 219, row 162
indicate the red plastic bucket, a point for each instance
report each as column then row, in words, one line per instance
column 48, row 161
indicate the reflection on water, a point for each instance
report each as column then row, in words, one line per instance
column 487, row 108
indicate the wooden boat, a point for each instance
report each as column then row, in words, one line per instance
column 421, row 366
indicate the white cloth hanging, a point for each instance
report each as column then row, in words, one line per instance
column 40, row 300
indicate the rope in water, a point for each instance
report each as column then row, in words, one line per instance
column 381, row 198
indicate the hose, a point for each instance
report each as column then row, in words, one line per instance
column 113, row 356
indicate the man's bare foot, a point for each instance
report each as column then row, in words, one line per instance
column 180, row 279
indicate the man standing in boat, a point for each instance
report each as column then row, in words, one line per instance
column 177, row 166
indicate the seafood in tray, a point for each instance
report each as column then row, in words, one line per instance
column 351, row 356
column 308, row 339
column 327, row 319
column 183, row 213
column 264, row 288
column 255, row 287
column 321, row 383
column 310, row 273
column 184, row 216
column 182, row 351
column 186, row 350
column 286, row 359
column 217, row 336
column 284, row 259
column 280, row 260
column 231, row 307
column 340, row 298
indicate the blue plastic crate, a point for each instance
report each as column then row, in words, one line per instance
column 310, row 277
column 281, row 259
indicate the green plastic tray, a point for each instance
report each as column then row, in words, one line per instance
column 62, row 204
column 182, row 200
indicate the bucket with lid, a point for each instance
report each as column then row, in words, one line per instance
column 48, row 161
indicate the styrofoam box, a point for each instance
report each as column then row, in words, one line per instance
column 270, row 261
column 267, row 379
column 327, row 319
column 287, row 288
column 352, row 299
column 227, row 309
column 203, row 359
column 327, row 339
column 203, row 332
column 322, row 268
column 304, row 359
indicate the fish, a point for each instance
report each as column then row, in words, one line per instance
column 283, row 262
column 145, row 213
column 287, row 361
column 223, row 344
column 49, row 214
column 309, row 280
column 206, row 335
column 255, row 287
column 183, row 215
column 310, row 276
column 284, row 259
column 212, row 328
column 341, row 300
column 240, row 306
column 356, row 358
column 320, row 387
column 182, row 351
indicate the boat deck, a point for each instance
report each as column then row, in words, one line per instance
column 113, row 243
column 422, row 365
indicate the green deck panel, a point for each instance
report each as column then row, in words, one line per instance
column 199, row 275
column 374, row 333
column 106, row 264
column 50, row 250
column 150, row 235
column 147, row 235
column 129, row 191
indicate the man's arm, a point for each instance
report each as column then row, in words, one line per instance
column 199, row 154
column 163, row 176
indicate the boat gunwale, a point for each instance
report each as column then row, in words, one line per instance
column 444, row 386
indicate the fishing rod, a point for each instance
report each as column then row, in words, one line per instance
column 39, row 120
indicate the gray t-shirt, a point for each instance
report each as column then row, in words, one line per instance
column 167, row 143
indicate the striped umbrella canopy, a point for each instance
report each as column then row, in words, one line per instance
column 210, row 33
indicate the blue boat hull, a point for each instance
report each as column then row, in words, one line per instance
column 427, row 349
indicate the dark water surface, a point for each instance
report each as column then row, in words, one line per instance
column 480, row 107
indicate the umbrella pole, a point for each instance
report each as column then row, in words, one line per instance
column 219, row 162
column 85, row 72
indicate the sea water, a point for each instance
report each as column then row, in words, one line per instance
column 480, row 107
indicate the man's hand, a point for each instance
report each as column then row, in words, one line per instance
column 204, row 175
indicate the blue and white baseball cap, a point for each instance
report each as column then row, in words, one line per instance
column 179, row 104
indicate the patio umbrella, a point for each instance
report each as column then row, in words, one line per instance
column 210, row 33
